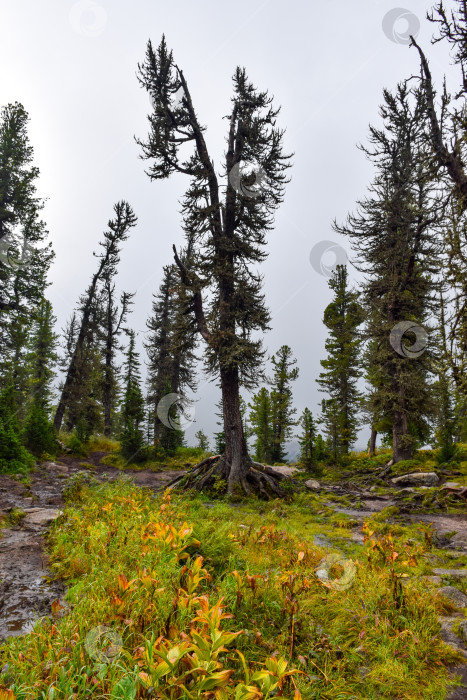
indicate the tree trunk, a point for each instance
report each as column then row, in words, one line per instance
column 236, row 452
column 372, row 447
column 240, row 474
column 401, row 449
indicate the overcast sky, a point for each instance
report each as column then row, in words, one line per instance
column 73, row 66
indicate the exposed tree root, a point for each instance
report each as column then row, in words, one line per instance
column 255, row 479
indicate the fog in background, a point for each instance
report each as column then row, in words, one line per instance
column 73, row 67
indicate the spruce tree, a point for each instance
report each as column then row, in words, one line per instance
column 306, row 440
column 170, row 348
column 321, row 451
column 282, row 412
column 444, row 388
column 330, row 419
column 132, row 410
column 219, row 442
column 203, row 442
column 84, row 410
column 229, row 221
column 261, row 421
column 158, row 348
column 338, row 381
column 394, row 237
column 42, row 356
column 23, row 262
column 13, row 455
column 219, row 437
column 39, row 434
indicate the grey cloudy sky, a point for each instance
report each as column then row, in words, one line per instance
column 73, row 64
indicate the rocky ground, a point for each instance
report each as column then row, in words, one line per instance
column 450, row 535
column 26, row 592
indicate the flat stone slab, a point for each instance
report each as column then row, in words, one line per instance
column 450, row 637
column 454, row 595
column 285, row 470
column 460, row 692
column 52, row 467
column 41, row 516
column 453, row 573
column 416, row 479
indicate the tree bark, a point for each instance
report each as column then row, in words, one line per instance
column 400, row 449
column 236, row 454
column 372, row 447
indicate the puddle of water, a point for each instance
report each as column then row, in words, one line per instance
column 18, row 627
column 26, row 604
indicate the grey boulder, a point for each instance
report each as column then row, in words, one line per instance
column 416, row 479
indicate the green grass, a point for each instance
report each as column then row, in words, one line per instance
column 14, row 518
column 183, row 458
column 100, row 443
column 132, row 564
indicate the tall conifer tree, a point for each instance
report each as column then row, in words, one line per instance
column 260, row 418
column 282, row 411
column 395, row 238
column 24, row 262
column 341, row 368
column 133, row 413
column 307, row 439
column 228, row 220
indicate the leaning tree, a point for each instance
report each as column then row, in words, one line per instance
column 227, row 215
column 82, row 336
